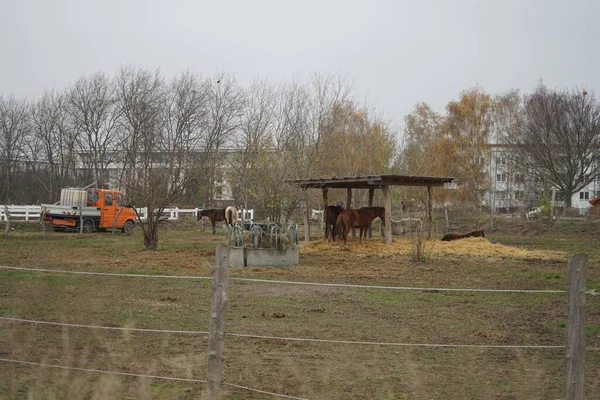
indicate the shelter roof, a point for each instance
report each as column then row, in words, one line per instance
column 370, row 181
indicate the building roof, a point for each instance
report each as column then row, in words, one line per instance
column 370, row 181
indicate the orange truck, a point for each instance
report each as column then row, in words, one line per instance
column 89, row 209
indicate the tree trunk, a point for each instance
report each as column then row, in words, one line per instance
column 151, row 239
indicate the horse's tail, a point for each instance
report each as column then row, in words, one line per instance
column 231, row 215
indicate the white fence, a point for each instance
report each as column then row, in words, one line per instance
column 32, row 213
column 24, row 213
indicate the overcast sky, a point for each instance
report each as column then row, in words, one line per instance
column 397, row 53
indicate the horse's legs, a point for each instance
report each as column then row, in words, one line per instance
column 214, row 225
column 346, row 231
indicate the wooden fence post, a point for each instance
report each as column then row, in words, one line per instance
column 576, row 315
column 217, row 323
column 446, row 219
column 43, row 222
column 7, row 216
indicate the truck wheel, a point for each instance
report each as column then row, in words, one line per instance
column 128, row 227
column 88, row 225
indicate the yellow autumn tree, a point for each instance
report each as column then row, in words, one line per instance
column 463, row 142
column 355, row 143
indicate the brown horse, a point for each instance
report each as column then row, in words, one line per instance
column 330, row 215
column 360, row 218
column 214, row 215
column 455, row 236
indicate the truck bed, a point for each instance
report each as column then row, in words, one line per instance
column 57, row 210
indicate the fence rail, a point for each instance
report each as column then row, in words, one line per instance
column 31, row 213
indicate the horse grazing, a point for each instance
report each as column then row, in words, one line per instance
column 360, row 218
column 215, row 215
column 330, row 216
column 455, row 236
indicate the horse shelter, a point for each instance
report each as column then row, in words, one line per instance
column 371, row 182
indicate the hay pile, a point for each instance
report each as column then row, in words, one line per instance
column 480, row 247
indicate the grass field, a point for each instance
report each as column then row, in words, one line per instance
column 316, row 370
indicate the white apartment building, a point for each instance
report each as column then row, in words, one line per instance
column 512, row 188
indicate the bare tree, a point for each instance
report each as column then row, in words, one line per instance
column 146, row 177
column 163, row 127
column 186, row 112
column 558, row 139
column 14, row 128
column 225, row 102
column 53, row 144
column 93, row 111
column 254, row 138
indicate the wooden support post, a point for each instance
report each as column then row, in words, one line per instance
column 306, row 222
column 388, row 214
column 576, row 315
column 7, row 216
column 217, row 323
column 349, row 205
column 371, row 194
column 325, row 204
column 348, row 198
column 429, row 211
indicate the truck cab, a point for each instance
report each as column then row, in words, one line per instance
column 112, row 205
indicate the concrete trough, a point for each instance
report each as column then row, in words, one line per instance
column 249, row 257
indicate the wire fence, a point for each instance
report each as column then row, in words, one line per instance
column 14, row 319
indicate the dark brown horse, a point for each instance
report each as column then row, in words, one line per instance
column 360, row 218
column 330, row 215
column 455, row 236
column 214, row 215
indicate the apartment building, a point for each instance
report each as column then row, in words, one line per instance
column 512, row 188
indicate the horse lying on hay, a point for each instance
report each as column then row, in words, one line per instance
column 360, row 218
column 330, row 216
column 455, row 236
column 218, row 214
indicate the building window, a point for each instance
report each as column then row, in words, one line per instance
column 519, row 194
column 501, row 160
column 584, row 195
column 519, row 178
column 501, row 194
column 500, row 177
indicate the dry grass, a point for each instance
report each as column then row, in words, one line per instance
column 312, row 370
